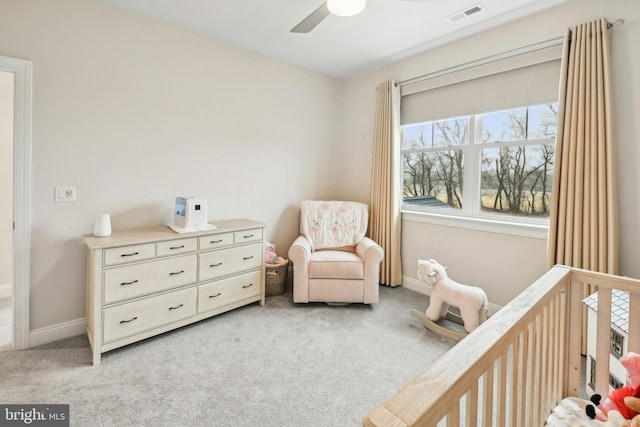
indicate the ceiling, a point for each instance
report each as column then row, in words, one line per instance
column 340, row 47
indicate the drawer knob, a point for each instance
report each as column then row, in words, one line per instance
column 176, row 273
column 128, row 283
column 247, row 286
column 216, row 295
column 131, row 254
column 176, row 307
column 128, row 321
column 215, row 265
column 173, row 248
column 248, row 236
column 247, row 258
column 213, row 242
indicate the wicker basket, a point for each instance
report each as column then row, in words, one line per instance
column 276, row 277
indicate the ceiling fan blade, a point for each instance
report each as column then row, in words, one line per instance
column 310, row 22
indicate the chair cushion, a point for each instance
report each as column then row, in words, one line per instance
column 335, row 265
column 332, row 224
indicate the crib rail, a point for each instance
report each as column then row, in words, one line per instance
column 516, row 366
column 605, row 284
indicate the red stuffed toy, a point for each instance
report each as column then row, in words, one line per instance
column 625, row 400
column 631, row 362
column 617, row 397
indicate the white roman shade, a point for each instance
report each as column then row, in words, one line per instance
column 515, row 81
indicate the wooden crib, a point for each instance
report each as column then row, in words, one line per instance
column 515, row 368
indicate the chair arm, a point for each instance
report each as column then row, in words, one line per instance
column 299, row 254
column 369, row 251
column 371, row 254
column 300, row 251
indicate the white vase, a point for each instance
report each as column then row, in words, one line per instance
column 102, row 227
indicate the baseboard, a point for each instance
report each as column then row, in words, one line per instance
column 416, row 285
column 56, row 332
column 75, row 327
column 6, row 291
column 422, row 288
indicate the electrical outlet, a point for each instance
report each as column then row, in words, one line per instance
column 65, row 194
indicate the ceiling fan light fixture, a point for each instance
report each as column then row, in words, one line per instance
column 346, row 7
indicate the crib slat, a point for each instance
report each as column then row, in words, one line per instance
column 546, row 371
column 538, row 368
column 513, row 395
column 543, row 374
column 574, row 320
column 553, row 352
column 487, row 400
column 603, row 340
column 502, row 390
column 453, row 417
column 556, row 325
column 557, row 356
column 522, row 413
column 472, row 405
column 634, row 323
column 531, row 366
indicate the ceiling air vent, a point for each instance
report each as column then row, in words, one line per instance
column 466, row 13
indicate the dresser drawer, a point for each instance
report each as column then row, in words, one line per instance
column 229, row 261
column 131, row 318
column 176, row 247
column 246, row 236
column 226, row 291
column 129, row 254
column 215, row 241
column 132, row 281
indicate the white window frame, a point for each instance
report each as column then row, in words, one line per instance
column 471, row 215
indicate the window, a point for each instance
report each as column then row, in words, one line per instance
column 613, row 381
column 484, row 164
column 617, row 342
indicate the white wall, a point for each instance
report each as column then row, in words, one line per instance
column 504, row 265
column 134, row 112
column 6, row 181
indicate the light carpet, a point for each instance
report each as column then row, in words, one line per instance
column 282, row 364
column 6, row 322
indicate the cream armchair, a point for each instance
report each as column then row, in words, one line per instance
column 332, row 259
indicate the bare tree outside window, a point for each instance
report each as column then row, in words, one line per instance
column 514, row 151
column 433, row 161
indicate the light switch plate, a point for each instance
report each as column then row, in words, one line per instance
column 65, row 194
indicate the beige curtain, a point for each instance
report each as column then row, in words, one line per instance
column 583, row 229
column 386, row 198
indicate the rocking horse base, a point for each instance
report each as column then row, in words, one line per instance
column 439, row 329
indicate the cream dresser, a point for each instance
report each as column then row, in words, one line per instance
column 144, row 282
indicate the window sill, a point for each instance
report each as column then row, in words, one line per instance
column 535, row 231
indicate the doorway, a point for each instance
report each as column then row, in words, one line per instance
column 6, row 209
column 20, row 185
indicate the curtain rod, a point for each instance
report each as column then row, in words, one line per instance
column 493, row 58
column 616, row 23
column 487, row 60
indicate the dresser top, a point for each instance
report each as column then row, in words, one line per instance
column 153, row 234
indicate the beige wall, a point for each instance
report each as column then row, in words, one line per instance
column 6, row 178
column 504, row 265
column 134, row 112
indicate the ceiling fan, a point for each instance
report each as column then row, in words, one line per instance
column 332, row 7
column 329, row 7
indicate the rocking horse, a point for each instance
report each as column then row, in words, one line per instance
column 471, row 300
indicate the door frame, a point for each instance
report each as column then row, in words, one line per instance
column 22, row 135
